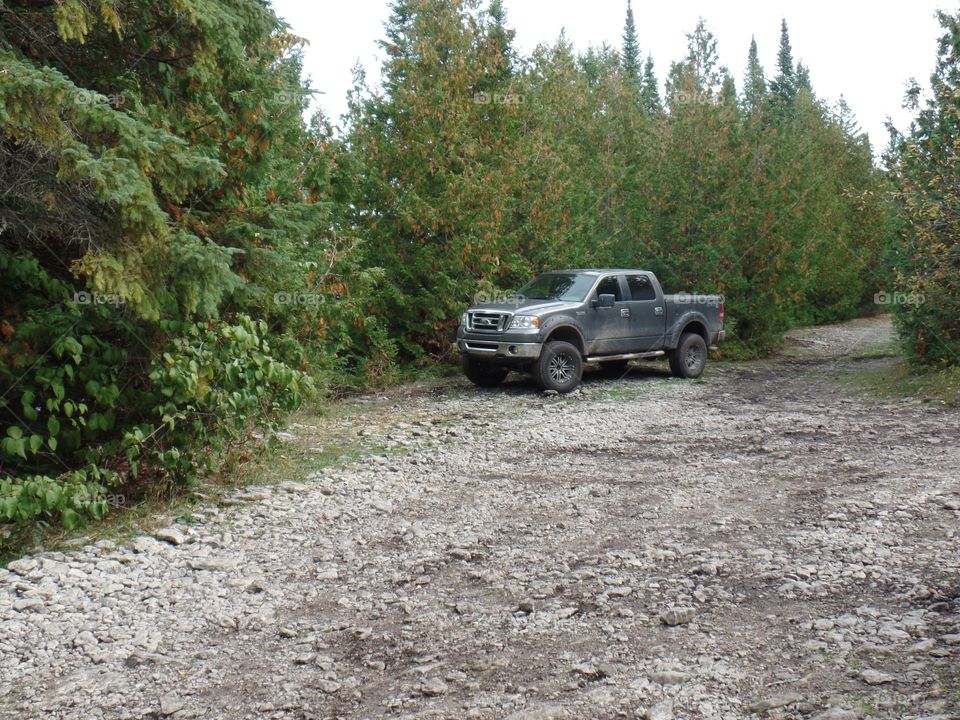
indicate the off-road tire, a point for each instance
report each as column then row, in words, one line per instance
column 559, row 367
column 689, row 358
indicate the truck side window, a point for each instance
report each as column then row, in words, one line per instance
column 641, row 288
column 610, row 285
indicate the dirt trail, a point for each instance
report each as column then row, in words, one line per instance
column 518, row 557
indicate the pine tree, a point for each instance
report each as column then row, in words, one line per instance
column 783, row 87
column 631, row 48
column 754, row 81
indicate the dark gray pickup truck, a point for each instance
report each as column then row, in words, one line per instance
column 561, row 320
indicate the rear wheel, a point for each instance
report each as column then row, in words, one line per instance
column 483, row 374
column 690, row 356
column 559, row 367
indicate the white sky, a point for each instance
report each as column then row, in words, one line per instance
column 864, row 50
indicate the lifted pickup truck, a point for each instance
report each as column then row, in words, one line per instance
column 561, row 320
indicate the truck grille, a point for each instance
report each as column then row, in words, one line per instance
column 491, row 322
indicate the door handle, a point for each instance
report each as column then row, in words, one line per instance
column 624, row 312
column 658, row 311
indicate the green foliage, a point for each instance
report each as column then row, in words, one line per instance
column 184, row 259
column 212, row 385
column 158, row 184
column 755, row 82
column 770, row 197
column 783, row 88
column 630, row 58
column 925, row 165
column 84, row 410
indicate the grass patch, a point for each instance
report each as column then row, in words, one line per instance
column 321, row 435
column 895, row 380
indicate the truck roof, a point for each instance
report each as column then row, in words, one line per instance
column 600, row 271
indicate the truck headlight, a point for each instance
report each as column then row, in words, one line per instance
column 465, row 320
column 525, row 321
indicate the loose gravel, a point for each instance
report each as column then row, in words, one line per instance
column 761, row 543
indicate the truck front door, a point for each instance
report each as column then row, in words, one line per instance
column 610, row 325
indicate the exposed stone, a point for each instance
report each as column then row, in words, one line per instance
column 170, row 535
column 875, row 677
column 677, row 615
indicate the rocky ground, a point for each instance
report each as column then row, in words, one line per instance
column 766, row 542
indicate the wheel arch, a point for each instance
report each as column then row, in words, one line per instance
column 689, row 322
column 566, row 333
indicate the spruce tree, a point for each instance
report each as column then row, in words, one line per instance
column 754, row 81
column 650, row 89
column 783, row 87
column 803, row 77
column 631, row 48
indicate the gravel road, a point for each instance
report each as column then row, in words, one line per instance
column 766, row 542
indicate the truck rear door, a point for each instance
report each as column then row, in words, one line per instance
column 648, row 321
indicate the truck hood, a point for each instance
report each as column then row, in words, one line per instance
column 525, row 307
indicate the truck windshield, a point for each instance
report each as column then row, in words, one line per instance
column 558, row 286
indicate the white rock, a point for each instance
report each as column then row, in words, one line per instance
column 875, row 677
column 170, row 535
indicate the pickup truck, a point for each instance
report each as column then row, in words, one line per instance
column 561, row 320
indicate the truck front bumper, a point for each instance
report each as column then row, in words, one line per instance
column 500, row 350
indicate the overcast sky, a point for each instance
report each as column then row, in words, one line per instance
column 865, row 51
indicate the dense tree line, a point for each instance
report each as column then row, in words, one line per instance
column 482, row 167
column 184, row 259
column 925, row 165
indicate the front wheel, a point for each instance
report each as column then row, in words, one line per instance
column 689, row 358
column 559, row 367
column 483, row 374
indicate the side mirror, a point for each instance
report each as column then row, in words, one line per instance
column 604, row 300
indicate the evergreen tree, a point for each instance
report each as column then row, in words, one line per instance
column 783, row 87
column 754, row 81
column 631, row 48
column 501, row 38
column 435, row 150
column 926, row 165
column 847, row 120
column 650, row 89
column 803, row 77
column 698, row 77
column 181, row 189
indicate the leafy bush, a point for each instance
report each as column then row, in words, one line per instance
column 87, row 405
